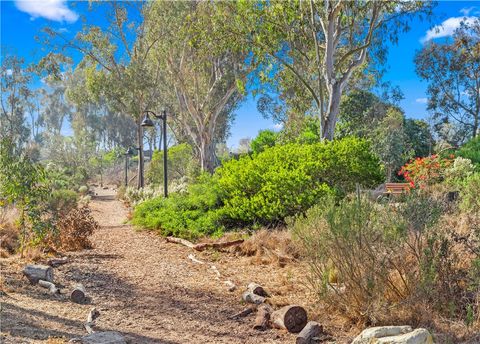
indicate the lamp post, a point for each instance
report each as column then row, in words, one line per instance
column 147, row 122
column 127, row 154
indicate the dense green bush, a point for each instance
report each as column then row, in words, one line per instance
column 471, row 150
column 264, row 139
column 60, row 202
column 288, row 179
column 264, row 188
column 188, row 215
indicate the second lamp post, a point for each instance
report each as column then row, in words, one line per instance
column 147, row 122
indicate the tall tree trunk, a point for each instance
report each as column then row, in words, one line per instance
column 328, row 131
column 140, row 179
column 207, row 154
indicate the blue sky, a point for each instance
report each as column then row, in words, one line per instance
column 22, row 20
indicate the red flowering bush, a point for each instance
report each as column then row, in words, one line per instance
column 421, row 172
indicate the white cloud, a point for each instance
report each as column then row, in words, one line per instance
column 9, row 72
column 277, row 126
column 447, row 28
column 56, row 10
column 466, row 11
column 422, row 100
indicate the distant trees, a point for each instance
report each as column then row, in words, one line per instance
column 14, row 87
column 115, row 65
column 452, row 71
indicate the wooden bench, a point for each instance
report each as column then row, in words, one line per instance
column 396, row 188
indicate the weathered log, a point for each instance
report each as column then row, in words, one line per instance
column 78, row 294
column 203, row 246
column 249, row 310
column 107, row 337
column 34, row 273
column 292, row 318
column 217, row 245
column 257, row 289
column 309, row 332
column 262, row 320
column 54, row 262
column 180, row 241
column 52, row 289
column 250, row 297
column 92, row 315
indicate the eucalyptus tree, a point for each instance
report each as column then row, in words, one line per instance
column 202, row 74
column 316, row 49
column 15, row 91
column 114, row 64
column 452, row 71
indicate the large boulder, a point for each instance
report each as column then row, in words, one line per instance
column 393, row 335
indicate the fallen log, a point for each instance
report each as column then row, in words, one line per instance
column 180, row 241
column 250, row 297
column 92, row 315
column 309, row 332
column 54, row 262
column 247, row 311
column 34, row 273
column 217, row 245
column 78, row 294
column 257, row 289
column 107, row 337
column 203, row 246
column 262, row 320
column 52, row 289
column 292, row 318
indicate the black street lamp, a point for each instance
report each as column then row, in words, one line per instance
column 147, row 122
column 127, row 154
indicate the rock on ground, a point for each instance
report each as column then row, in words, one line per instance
column 393, row 335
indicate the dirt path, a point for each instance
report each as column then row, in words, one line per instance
column 143, row 287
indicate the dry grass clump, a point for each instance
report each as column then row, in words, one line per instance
column 74, row 230
column 269, row 247
column 9, row 239
column 417, row 263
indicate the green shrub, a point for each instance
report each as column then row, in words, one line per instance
column 264, row 139
column 83, row 189
column 180, row 163
column 471, row 150
column 263, row 189
column 349, row 245
column 188, row 215
column 470, row 194
column 378, row 263
column 62, row 201
column 285, row 180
